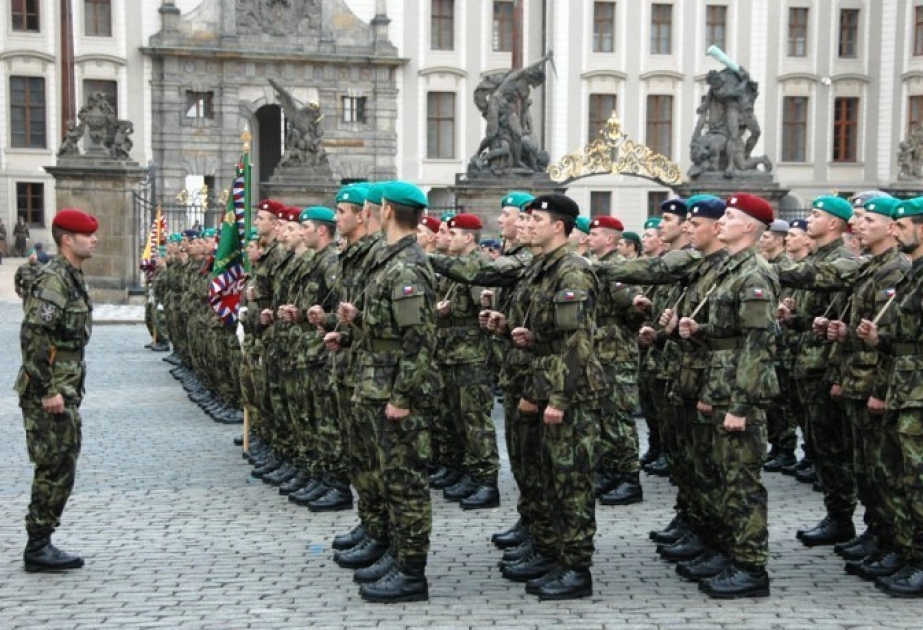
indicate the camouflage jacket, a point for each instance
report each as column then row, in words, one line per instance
column 904, row 341
column 56, row 327
column 617, row 320
column 315, row 285
column 815, row 354
column 263, row 279
column 739, row 333
column 562, row 318
column 397, row 316
column 25, row 276
column 279, row 336
column 516, row 368
column 505, row 271
column 460, row 341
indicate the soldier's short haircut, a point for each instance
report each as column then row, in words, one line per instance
column 917, row 219
column 330, row 226
column 406, row 217
column 57, row 234
column 569, row 222
column 634, row 244
column 476, row 234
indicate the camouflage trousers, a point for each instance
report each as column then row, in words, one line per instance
column 646, row 397
column 565, row 520
column 703, row 504
column 523, row 441
column 54, row 442
column 905, row 427
column 829, row 437
column 361, row 454
column 401, row 453
column 782, row 415
column 868, row 441
column 249, row 386
column 467, row 400
column 156, row 322
column 618, row 434
column 321, row 428
column 743, row 502
column 446, row 429
column 667, row 423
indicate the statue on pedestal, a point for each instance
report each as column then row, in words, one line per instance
column 727, row 130
column 910, row 155
column 106, row 134
column 509, row 144
column 303, row 140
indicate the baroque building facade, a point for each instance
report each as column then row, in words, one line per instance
column 841, row 84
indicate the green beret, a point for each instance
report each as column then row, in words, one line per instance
column 653, row 222
column 376, row 192
column 208, row 233
column 882, row 205
column 353, row 193
column 405, row 194
column 175, row 237
column 318, row 213
column 445, row 217
column 836, row 206
column 908, row 208
column 253, row 235
column 516, row 199
column 631, row 236
column 583, row 224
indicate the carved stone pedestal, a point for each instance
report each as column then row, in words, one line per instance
column 301, row 187
column 761, row 184
column 103, row 187
column 904, row 189
column 481, row 195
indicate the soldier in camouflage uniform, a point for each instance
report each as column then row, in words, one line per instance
column 564, row 395
column 739, row 384
column 25, row 277
column 394, row 355
column 250, row 349
column 902, row 453
column 651, row 246
column 55, row 330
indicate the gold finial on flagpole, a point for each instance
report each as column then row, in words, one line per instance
column 245, row 138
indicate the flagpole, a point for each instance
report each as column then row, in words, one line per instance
column 245, row 137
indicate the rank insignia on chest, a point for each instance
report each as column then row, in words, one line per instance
column 758, row 293
column 407, row 290
column 46, row 312
column 569, row 295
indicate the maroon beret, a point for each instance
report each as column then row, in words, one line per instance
column 431, row 223
column 756, row 207
column 273, row 207
column 292, row 214
column 465, row 222
column 610, row 223
column 76, row 221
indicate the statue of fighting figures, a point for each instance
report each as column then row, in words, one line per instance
column 910, row 155
column 104, row 133
column 509, row 144
column 727, row 130
column 304, row 137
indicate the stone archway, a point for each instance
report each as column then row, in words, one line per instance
column 267, row 144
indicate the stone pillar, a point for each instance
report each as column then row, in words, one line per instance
column 169, row 15
column 104, row 189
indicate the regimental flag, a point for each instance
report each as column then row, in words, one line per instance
column 228, row 267
column 157, row 236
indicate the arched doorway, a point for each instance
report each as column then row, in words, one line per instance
column 268, row 145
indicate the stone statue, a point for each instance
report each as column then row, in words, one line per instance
column 910, row 155
column 303, row 140
column 279, row 17
column 107, row 135
column 509, row 144
column 727, row 130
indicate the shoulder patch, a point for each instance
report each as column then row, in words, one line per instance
column 47, row 295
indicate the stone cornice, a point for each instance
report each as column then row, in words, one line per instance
column 20, row 54
column 297, row 57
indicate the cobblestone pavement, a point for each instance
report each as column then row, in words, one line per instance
column 176, row 535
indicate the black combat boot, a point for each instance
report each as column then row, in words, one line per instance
column 460, row 490
column 737, row 581
column 829, row 531
column 295, row 484
column 606, row 480
column 859, row 547
column 362, row 555
column 376, row 571
column 802, row 464
column 515, row 535
column 806, row 475
column 282, row 474
column 780, row 461
column 651, row 455
column 313, row 490
column 271, row 464
column 882, row 563
column 660, row 467
column 627, row 491
column 350, row 539
column 568, row 584
column 517, row 553
column 686, row 548
column 400, row 584
column 338, row 497
column 449, row 478
column 672, row 533
column 706, row 565
column 908, row 582
column 437, row 474
column 532, row 566
column 485, row 496
column 41, row 556
column 532, row 586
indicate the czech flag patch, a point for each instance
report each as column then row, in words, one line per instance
column 757, row 293
column 889, row 293
column 569, row 295
column 408, row 290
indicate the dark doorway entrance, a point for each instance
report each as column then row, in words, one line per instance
column 269, row 122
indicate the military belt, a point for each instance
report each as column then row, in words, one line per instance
column 726, row 343
column 547, row 349
column 456, row 322
column 68, row 355
column 906, row 349
column 385, row 345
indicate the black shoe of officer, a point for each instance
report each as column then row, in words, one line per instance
column 485, row 496
column 706, row 565
column 284, row 473
column 375, row 571
column 606, row 480
column 659, row 467
column 650, row 456
column 863, row 545
column 780, row 461
column 362, row 555
column 517, row 553
column 672, row 533
column 449, row 478
column 686, row 548
column 437, row 474
column 295, row 484
column 460, row 490
column 829, row 531
column 160, row 346
column 270, row 465
column 627, row 491
column 239, row 440
column 41, row 556
column 806, row 475
column 532, row 566
column 569, row 584
column 313, row 490
column 880, row 564
column 338, row 497
column 350, row 539
column 533, row 585
column 515, row 535
column 399, row 585
column 908, row 582
column 737, row 581
column 791, row 471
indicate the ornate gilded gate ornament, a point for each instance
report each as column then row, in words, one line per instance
column 614, row 153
